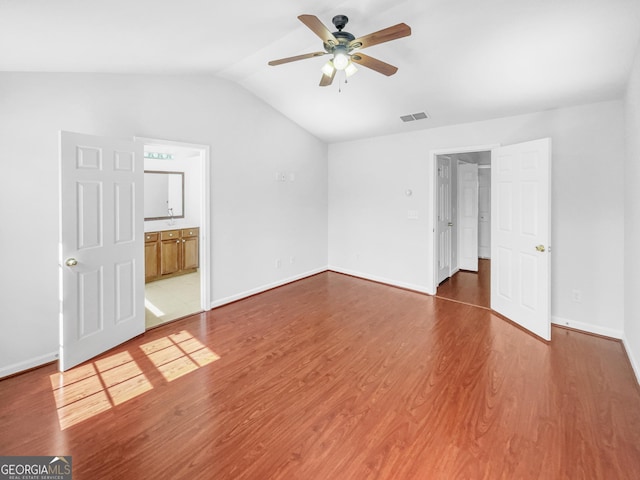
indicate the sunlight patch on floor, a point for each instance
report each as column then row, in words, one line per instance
column 178, row 354
column 98, row 386
column 152, row 308
column 90, row 389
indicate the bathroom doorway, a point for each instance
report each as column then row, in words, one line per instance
column 176, row 230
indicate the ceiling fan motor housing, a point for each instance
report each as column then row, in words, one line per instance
column 340, row 21
column 344, row 38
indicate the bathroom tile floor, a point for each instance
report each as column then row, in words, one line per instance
column 172, row 298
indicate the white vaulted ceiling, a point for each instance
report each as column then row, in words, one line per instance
column 466, row 60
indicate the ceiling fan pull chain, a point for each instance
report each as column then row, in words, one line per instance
column 340, row 83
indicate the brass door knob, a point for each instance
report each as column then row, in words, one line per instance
column 71, row 262
column 540, row 248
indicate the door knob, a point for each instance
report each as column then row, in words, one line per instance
column 450, row 224
column 540, row 248
column 71, row 262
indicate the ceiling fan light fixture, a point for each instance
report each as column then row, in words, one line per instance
column 328, row 69
column 351, row 69
column 344, row 47
column 341, row 59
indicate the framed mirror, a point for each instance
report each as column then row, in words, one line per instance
column 163, row 195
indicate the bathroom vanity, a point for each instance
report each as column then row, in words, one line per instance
column 168, row 253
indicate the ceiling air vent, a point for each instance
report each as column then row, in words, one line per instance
column 415, row 116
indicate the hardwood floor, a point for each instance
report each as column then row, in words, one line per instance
column 334, row 377
column 469, row 287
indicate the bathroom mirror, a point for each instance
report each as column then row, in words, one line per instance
column 163, row 195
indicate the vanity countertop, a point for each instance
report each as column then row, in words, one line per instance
column 167, row 227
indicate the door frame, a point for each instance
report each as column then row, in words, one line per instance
column 205, row 212
column 432, row 168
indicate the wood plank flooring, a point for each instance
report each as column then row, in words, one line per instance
column 469, row 287
column 334, row 377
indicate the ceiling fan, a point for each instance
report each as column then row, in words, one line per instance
column 345, row 48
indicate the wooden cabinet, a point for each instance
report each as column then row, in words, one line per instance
column 190, row 250
column 170, row 247
column 170, row 253
column 151, row 256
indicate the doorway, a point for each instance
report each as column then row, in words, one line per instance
column 463, row 224
column 176, row 230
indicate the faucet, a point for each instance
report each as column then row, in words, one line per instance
column 171, row 221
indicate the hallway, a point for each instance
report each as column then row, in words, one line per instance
column 469, row 287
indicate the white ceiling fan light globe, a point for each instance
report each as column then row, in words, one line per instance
column 328, row 69
column 341, row 60
column 350, row 69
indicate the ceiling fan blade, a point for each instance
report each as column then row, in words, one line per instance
column 318, row 28
column 385, row 35
column 296, row 58
column 374, row 64
column 327, row 80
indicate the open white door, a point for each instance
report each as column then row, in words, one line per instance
column 521, row 233
column 444, row 223
column 101, row 245
column 468, row 216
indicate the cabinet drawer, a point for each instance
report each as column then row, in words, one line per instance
column 190, row 232
column 151, row 237
column 169, row 234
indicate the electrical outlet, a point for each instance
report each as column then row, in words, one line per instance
column 278, row 263
column 576, row 295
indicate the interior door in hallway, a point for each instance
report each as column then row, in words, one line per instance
column 484, row 212
column 101, row 245
column 444, row 220
column 468, row 216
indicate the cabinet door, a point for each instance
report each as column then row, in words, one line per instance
column 170, row 256
column 151, row 261
column 189, row 253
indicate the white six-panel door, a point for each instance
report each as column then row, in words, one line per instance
column 101, row 245
column 444, row 223
column 521, row 233
column 468, row 216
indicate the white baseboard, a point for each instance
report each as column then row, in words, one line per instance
column 387, row 281
column 264, row 288
column 28, row 364
column 587, row 327
column 634, row 361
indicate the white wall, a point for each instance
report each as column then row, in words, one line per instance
column 254, row 218
column 632, row 219
column 371, row 236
